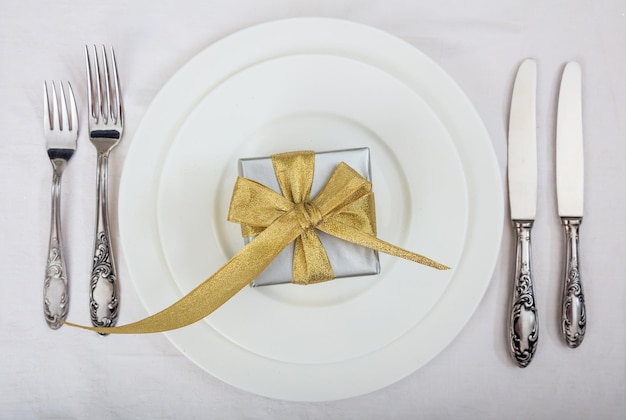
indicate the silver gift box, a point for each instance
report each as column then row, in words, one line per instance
column 347, row 259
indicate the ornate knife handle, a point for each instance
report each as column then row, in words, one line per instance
column 104, row 288
column 55, row 288
column 524, row 325
column 573, row 316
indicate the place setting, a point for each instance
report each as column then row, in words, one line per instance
column 313, row 210
column 325, row 205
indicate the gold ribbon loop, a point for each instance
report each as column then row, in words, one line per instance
column 344, row 208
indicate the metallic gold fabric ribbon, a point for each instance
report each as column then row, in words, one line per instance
column 344, row 208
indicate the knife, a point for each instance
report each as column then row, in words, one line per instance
column 569, row 189
column 522, row 177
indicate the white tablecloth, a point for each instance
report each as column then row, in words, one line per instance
column 74, row 374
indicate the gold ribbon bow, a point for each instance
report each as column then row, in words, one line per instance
column 344, row 208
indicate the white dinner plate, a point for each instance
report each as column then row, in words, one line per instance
column 346, row 376
column 319, row 102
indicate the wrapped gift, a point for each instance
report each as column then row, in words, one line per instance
column 347, row 259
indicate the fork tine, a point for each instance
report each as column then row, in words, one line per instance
column 98, row 84
column 119, row 115
column 90, row 104
column 64, row 117
column 47, row 123
column 73, row 109
column 98, row 111
column 55, row 108
column 107, row 106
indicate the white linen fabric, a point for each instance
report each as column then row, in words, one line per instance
column 73, row 374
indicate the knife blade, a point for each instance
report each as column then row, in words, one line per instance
column 522, row 181
column 570, row 192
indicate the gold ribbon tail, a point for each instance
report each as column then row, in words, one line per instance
column 238, row 272
column 356, row 236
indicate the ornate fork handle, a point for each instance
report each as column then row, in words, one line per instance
column 524, row 325
column 55, row 288
column 104, row 288
column 573, row 315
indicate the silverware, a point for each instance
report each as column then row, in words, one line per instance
column 106, row 123
column 522, row 177
column 61, row 132
column 570, row 188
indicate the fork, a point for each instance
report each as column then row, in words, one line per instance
column 61, row 133
column 106, row 124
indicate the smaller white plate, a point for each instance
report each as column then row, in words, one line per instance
column 316, row 102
